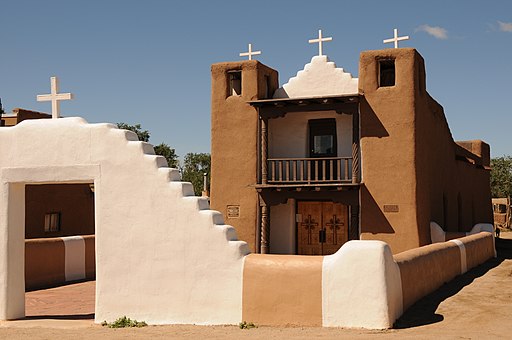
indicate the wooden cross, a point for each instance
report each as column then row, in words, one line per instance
column 55, row 97
column 309, row 225
column 320, row 40
column 250, row 53
column 396, row 39
column 335, row 225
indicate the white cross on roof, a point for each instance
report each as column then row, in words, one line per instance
column 320, row 40
column 396, row 39
column 250, row 53
column 54, row 97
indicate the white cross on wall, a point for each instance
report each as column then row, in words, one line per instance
column 54, row 97
column 250, row 53
column 320, row 40
column 396, row 39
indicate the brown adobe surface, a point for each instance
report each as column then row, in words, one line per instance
column 475, row 305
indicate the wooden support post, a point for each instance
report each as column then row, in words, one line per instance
column 355, row 147
column 264, row 150
column 265, row 230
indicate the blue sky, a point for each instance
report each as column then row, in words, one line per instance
column 148, row 62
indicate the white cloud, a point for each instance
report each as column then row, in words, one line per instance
column 505, row 26
column 435, row 31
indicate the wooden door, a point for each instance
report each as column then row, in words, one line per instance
column 322, row 227
column 335, row 218
column 308, row 228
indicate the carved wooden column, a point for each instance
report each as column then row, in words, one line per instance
column 265, row 230
column 264, row 150
column 355, row 147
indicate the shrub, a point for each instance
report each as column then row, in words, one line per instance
column 246, row 325
column 124, row 322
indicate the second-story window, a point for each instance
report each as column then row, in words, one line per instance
column 322, row 138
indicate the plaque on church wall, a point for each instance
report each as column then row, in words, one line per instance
column 393, row 208
column 233, row 211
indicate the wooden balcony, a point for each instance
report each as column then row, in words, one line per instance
column 309, row 171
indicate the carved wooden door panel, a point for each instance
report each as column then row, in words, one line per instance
column 308, row 228
column 334, row 216
column 322, row 227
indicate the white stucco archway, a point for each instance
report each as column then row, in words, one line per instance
column 162, row 256
column 14, row 180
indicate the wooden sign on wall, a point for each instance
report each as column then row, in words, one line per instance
column 233, row 211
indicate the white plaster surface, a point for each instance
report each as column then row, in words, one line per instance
column 161, row 255
column 283, row 228
column 479, row 227
column 12, row 251
column 74, row 257
column 288, row 136
column 463, row 261
column 437, row 234
column 361, row 286
column 487, row 227
column 319, row 78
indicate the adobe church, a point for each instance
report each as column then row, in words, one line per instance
column 300, row 169
column 328, row 158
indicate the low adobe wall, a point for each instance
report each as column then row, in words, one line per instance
column 54, row 261
column 361, row 285
column 425, row 269
column 358, row 286
column 283, row 290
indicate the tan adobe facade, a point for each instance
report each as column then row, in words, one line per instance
column 18, row 115
column 329, row 158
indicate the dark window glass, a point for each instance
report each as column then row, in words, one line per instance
column 322, row 138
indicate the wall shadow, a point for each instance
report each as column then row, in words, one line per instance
column 371, row 125
column 373, row 219
column 423, row 312
column 62, row 317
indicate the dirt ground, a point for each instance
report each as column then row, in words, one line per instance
column 476, row 305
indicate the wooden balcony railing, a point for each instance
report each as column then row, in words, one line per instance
column 309, row 170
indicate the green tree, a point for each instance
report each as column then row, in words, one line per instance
column 161, row 149
column 501, row 176
column 142, row 134
column 194, row 167
column 169, row 153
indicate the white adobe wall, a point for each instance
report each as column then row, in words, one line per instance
column 288, row 136
column 283, row 228
column 320, row 77
column 161, row 255
column 361, row 286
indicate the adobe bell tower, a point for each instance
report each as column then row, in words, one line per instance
column 234, row 138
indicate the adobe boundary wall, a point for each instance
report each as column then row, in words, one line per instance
column 425, row 269
column 51, row 262
column 362, row 285
column 176, row 260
